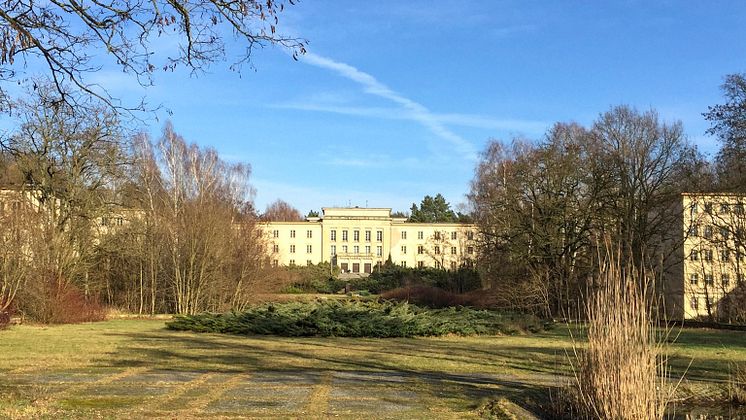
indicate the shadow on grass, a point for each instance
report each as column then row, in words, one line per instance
column 450, row 372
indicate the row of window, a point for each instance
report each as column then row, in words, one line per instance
column 709, row 280
column 276, row 234
column 725, row 208
column 115, row 221
column 309, row 249
column 356, row 250
column 355, row 235
column 707, row 232
column 379, row 235
column 707, row 255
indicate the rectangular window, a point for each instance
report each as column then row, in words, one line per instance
column 708, row 232
column 308, row 249
column 344, row 236
column 694, row 208
column 725, row 280
column 333, row 235
column 404, row 234
column 292, row 262
column 420, row 235
column 355, row 267
column 292, row 233
column 379, row 251
column 709, row 281
column 275, row 233
column 694, row 230
column 356, row 236
column 275, row 263
column 694, row 302
column 724, row 233
column 308, row 262
column 367, row 249
column 292, row 249
column 403, row 249
column 356, row 249
column 437, row 264
column 453, row 235
column 344, row 267
column 366, row 267
column 453, row 265
column 275, row 248
column 453, row 250
column 694, row 255
column 404, row 264
column 707, row 255
column 437, row 250
column 420, row 249
column 470, row 236
column 470, row 250
column 344, row 249
column 334, row 250
column 437, row 236
column 367, row 236
column 379, row 236
column 420, row 264
column 739, row 208
column 724, row 208
column 724, row 255
column 694, row 279
column 708, row 208
column 309, row 234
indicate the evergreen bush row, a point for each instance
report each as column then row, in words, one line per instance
column 356, row 318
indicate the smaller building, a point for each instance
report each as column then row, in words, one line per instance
column 707, row 283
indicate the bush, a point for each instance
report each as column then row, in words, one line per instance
column 429, row 296
column 52, row 302
column 355, row 318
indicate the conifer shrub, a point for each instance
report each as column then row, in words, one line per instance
column 356, row 318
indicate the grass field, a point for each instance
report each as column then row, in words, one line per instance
column 137, row 368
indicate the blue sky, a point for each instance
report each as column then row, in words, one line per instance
column 395, row 100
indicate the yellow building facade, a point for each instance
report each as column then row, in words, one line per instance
column 713, row 257
column 357, row 239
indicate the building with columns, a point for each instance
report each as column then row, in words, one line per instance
column 357, row 239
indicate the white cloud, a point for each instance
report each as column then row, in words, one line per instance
column 414, row 110
column 464, row 120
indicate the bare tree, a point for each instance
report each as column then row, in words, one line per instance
column 643, row 163
column 68, row 162
column 281, row 211
column 73, row 39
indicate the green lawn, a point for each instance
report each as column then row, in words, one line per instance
column 137, row 368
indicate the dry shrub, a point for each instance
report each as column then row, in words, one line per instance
column 54, row 302
column 622, row 372
column 429, row 296
column 737, row 383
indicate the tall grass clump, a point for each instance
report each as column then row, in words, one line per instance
column 621, row 374
column 737, row 384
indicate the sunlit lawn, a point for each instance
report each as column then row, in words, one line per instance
column 137, row 368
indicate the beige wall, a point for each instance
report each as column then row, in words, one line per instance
column 294, row 243
column 713, row 262
column 357, row 239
